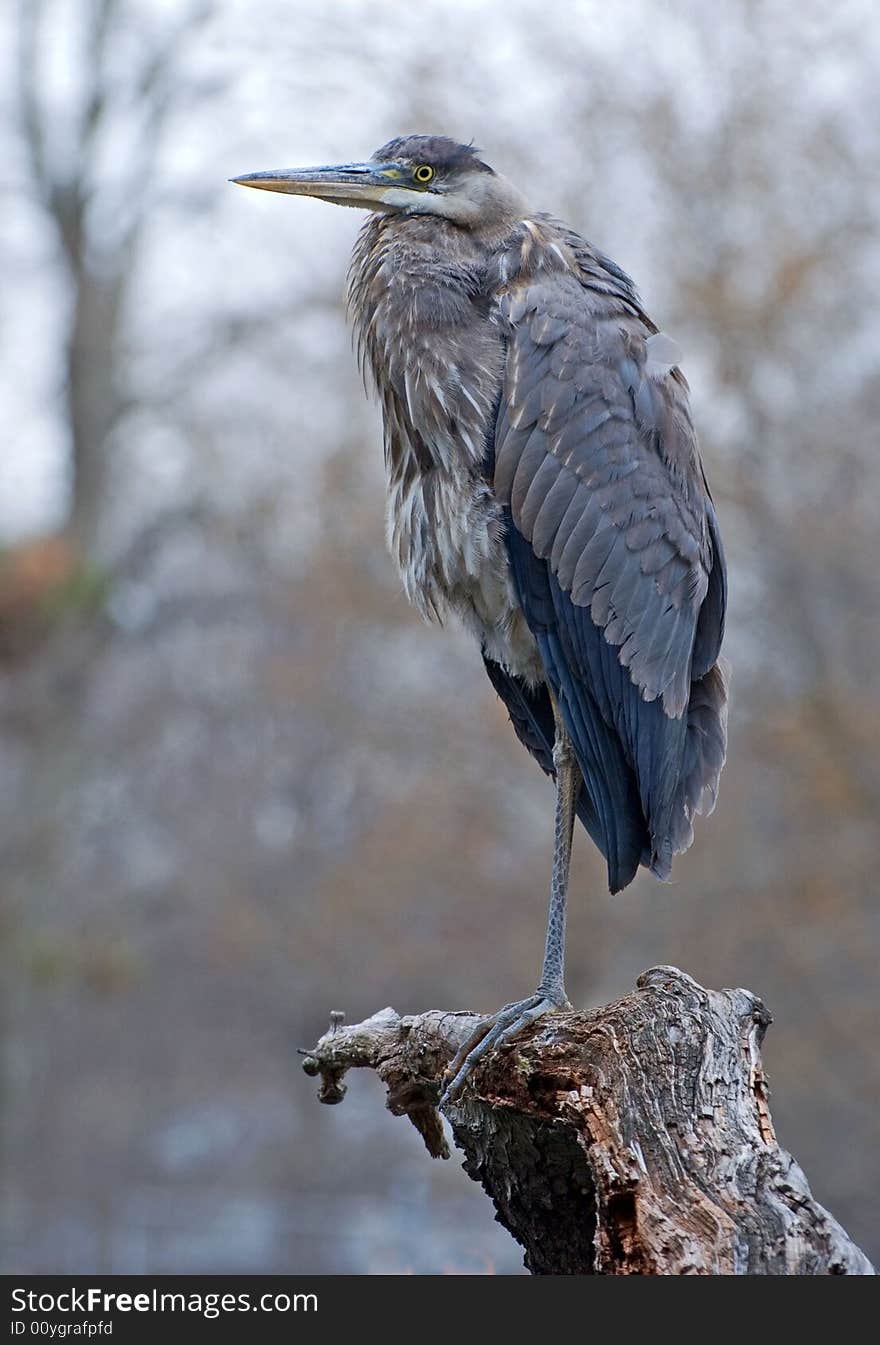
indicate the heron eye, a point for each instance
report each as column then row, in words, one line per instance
column 423, row 173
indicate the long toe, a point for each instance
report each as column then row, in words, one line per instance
column 496, row 1030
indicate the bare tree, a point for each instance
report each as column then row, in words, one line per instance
column 98, row 210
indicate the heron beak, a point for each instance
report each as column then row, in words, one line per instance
column 354, row 184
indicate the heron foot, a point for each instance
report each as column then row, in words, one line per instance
column 496, row 1030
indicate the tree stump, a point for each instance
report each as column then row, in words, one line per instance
column 634, row 1139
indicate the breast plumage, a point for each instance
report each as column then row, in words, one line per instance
column 445, row 528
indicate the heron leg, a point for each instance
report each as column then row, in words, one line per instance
column 568, row 781
column 503, row 1026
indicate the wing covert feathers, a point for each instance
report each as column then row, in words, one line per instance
column 615, row 549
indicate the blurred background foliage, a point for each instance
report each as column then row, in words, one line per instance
column 240, row 784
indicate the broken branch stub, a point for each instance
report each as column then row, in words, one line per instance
column 632, row 1139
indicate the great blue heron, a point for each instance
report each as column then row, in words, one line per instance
column 544, row 483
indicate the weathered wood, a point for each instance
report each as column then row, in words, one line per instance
column 633, row 1139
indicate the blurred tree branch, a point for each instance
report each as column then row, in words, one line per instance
column 99, row 269
column 633, row 1139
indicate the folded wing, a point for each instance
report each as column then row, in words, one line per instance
column 614, row 546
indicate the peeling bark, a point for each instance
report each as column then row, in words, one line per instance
column 632, row 1139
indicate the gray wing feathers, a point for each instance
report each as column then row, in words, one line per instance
column 596, row 457
column 545, row 515
column 705, row 750
column 598, row 460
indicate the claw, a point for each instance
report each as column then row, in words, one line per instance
column 494, row 1031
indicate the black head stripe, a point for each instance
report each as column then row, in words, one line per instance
column 443, row 154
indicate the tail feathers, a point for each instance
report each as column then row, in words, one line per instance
column 531, row 714
column 705, row 750
column 614, row 828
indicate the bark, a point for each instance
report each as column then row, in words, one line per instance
column 632, row 1139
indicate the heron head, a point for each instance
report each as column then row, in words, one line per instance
column 413, row 175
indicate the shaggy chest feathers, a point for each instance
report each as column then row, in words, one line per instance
column 431, row 337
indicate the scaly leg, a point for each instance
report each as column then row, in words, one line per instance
column 508, row 1022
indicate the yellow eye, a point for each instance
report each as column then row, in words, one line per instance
column 423, row 173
